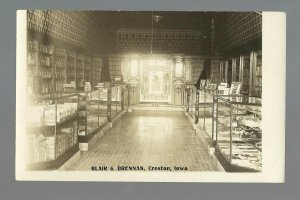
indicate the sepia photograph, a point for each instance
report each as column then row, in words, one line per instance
column 137, row 95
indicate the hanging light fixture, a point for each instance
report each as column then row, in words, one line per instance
column 156, row 19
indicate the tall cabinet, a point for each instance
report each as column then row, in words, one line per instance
column 246, row 68
column 256, row 75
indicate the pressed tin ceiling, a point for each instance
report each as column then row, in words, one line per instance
column 134, row 31
column 174, row 32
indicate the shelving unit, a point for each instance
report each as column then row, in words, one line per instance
column 87, row 69
column 257, row 74
column 245, row 75
column 115, row 67
column 80, row 72
column 222, row 75
column 60, row 64
column 71, row 66
column 33, row 67
column 235, row 69
column 215, row 71
column 96, row 70
column 41, row 69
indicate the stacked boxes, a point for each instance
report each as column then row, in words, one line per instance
column 36, row 114
column 50, row 148
column 65, row 140
column 41, row 148
column 69, row 132
column 36, row 148
column 40, row 114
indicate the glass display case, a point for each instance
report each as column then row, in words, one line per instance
column 125, row 97
column 206, row 109
column 92, row 113
column 93, row 110
column 116, row 94
column 238, row 133
column 51, row 133
column 96, row 110
column 192, row 101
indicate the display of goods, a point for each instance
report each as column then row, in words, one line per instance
column 36, row 148
column 81, row 130
column 63, row 112
column 87, row 87
column 103, row 95
column 32, row 59
column 243, row 155
column 50, row 147
column 41, row 146
column 36, row 114
column 46, row 60
column 32, row 45
column 82, row 105
column 94, row 95
column 201, row 97
column 82, row 114
column 239, row 111
column 251, row 121
column 47, row 49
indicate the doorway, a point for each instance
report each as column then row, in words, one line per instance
column 156, row 79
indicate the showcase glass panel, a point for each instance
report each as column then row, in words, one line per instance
column 239, row 132
column 51, row 128
column 192, row 102
column 95, row 115
column 116, row 100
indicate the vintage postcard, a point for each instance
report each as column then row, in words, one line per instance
column 150, row 96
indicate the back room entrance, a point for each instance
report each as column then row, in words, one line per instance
column 156, row 80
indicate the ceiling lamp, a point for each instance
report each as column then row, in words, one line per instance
column 156, row 19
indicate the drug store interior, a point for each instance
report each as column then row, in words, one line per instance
column 140, row 88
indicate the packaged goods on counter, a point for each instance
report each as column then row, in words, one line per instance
column 36, row 114
column 45, row 114
column 36, row 148
column 50, row 147
column 81, row 130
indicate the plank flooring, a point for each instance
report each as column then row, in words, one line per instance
column 149, row 138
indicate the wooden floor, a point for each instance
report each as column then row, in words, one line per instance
column 149, row 138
